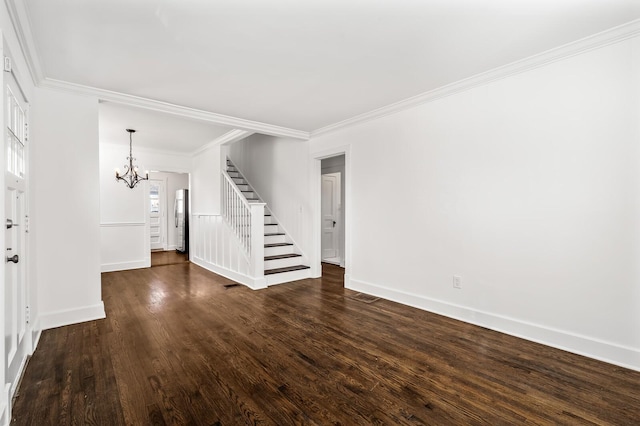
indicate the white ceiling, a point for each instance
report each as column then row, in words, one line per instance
column 301, row 64
column 155, row 130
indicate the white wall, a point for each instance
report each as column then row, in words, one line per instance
column 527, row 187
column 278, row 169
column 64, row 172
column 205, row 182
column 172, row 182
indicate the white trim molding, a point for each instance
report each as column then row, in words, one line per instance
column 604, row 38
column 169, row 108
column 609, row 352
column 20, row 20
column 72, row 316
column 125, row 266
column 120, row 224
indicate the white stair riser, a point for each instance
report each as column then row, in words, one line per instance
column 287, row 277
column 269, row 220
column 250, row 195
column 244, row 187
column 273, row 251
column 235, row 175
column 232, row 170
column 270, row 229
column 272, row 239
column 282, row 263
column 239, row 181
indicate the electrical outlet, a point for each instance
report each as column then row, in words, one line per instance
column 457, row 282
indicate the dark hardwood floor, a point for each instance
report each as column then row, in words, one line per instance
column 181, row 345
column 171, row 257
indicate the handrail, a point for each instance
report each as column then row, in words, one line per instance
column 235, row 188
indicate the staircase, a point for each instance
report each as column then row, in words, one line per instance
column 283, row 262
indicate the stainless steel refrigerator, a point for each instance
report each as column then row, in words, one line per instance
column 181, row 214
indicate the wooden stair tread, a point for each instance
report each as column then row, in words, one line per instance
column 282, row 256
column 277, row 245
column 274, row 234
column 286, row 269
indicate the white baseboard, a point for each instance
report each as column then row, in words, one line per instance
column 71, row 316
column 287, row 277
column 582, row 345
column 347, row 281
column 36, row 338
column 252, row 283
column 123, row 266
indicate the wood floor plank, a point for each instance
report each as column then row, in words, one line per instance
column 178, row 347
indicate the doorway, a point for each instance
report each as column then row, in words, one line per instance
column 166, row 231
column 331, row 203
column 333, row 193
column 157, row 214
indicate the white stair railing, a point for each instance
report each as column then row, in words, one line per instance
column 246, row 221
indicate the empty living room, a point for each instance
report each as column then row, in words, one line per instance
column 314, row 212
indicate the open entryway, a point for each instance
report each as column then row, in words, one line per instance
column 168, row 217
column 330, row 186
column 332, row 209
column 157, row 214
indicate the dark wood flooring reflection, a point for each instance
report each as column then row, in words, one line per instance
column 171, row 257
column 179, row 347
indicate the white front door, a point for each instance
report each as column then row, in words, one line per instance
column 157, row 215
column 17, row 339
column 330, row 208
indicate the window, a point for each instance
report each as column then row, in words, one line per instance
column 15, row 135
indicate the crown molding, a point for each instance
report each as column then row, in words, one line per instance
column 169, row 108
column 22, row 26
column 234, row 135
column 604, row 38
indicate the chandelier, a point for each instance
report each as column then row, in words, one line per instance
column 131, row 176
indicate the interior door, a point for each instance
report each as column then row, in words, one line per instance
column 17, row 343
column 330, row 206
column 157, row 217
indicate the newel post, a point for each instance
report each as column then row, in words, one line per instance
column 257, row 240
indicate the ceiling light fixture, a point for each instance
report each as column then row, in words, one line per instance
column 131, row 176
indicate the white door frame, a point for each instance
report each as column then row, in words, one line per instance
column 315, row 257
